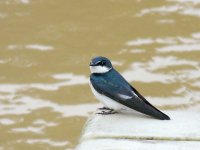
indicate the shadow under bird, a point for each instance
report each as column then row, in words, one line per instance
column 115, row 92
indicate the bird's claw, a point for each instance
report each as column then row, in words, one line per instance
column 111, row 111
column 104, row 108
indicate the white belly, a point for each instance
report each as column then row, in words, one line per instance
column 108, row 102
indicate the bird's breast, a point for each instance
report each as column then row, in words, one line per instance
column 106, row 101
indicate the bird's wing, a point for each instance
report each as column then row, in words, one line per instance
column 111, row 88
column 122, row 92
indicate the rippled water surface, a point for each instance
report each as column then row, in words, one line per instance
column 46, row 46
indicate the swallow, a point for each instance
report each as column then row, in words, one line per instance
column 111, row 89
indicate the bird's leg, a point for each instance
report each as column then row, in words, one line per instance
column 104, row 108
column 111, row 111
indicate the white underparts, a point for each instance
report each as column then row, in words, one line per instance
column 99, row 69
column 108, row 102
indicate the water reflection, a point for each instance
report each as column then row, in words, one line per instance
column 38, row 47
column 143, row 74
column 26, row 105
column 44, row 141
column 6, row 121
column 8, row 2
column 148, row 71
column 37, row 130
column 180, row 48
column 183, row 7
column 67, row 80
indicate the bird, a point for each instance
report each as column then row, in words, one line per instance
column 116, row 94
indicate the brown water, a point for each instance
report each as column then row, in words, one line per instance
column 46, row 46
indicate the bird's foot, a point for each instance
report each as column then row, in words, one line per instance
column 104, row 108
column 109, row 112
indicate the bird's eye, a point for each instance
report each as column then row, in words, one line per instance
column 102, row 63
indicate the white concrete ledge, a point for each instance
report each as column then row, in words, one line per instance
column 133, row 130
column 113, row 144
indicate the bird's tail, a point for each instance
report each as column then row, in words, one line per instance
column 154, row 112
column 142, row 105
column 145, row 107
column 149, row 109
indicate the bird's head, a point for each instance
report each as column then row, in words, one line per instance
column 100, row 65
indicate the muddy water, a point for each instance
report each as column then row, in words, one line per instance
column 46, row 46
